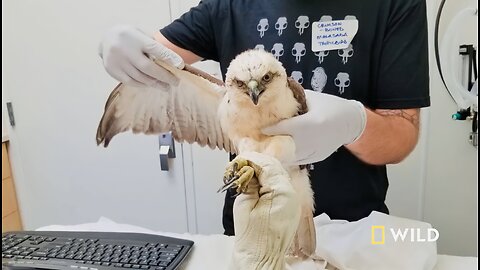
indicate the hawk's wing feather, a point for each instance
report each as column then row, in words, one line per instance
column 299, row 94
column 188, row 110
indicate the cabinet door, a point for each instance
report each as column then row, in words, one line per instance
column 58, row 87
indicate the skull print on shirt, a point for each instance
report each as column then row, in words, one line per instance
column 302, row 23
column 262, row 26
column 281, row 25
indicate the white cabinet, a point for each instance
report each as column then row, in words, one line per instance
column 57, row 85
column 55, row 80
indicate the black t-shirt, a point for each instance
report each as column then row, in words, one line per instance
column 386, row 67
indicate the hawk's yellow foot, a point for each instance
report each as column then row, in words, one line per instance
column 237, row 175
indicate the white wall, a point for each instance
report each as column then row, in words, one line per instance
column 450, row 202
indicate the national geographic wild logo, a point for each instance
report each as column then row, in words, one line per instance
column 404, row 235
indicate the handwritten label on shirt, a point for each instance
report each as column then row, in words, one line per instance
column 333, row 35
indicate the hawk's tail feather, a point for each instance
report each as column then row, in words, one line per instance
column 305, row 242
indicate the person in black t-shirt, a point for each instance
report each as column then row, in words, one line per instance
column 385, row 67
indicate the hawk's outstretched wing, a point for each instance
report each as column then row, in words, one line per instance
column 188, row 110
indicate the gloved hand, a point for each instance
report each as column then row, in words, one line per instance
column 330, row 122
column 125, row 51
column 266, row 217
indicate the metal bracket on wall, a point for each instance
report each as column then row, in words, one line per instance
column 167, row 149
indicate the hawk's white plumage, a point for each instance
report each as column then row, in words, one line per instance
column 256, row 94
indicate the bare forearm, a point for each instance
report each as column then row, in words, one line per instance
column 389, row 136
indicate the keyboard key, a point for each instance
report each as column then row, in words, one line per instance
column 162, row 263
column 136, row 266
column 127, row 265
column 118, row 265
column 170, row 250
column 106, row 258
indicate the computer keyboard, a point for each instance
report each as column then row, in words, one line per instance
column 92, row 250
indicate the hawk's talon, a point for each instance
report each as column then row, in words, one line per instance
column 237, row 175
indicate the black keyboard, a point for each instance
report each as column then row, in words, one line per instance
column 92, row 250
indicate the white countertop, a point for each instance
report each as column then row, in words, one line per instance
column 214, row 251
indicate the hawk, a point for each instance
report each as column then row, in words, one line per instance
column 256, row 94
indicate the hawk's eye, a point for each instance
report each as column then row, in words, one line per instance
column 239, row 83
column 267, row 77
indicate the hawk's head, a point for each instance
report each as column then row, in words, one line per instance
column 256, row 75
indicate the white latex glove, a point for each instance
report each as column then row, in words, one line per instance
column 266, row 217
column 330, row 122
column 125, row 51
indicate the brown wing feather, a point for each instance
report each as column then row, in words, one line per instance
column 299, row 94
column 188, row 110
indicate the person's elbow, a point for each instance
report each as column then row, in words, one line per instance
column 403, row 151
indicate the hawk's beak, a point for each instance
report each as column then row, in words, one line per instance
column 254, row 91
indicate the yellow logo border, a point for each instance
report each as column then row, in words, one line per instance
column 373, row 235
